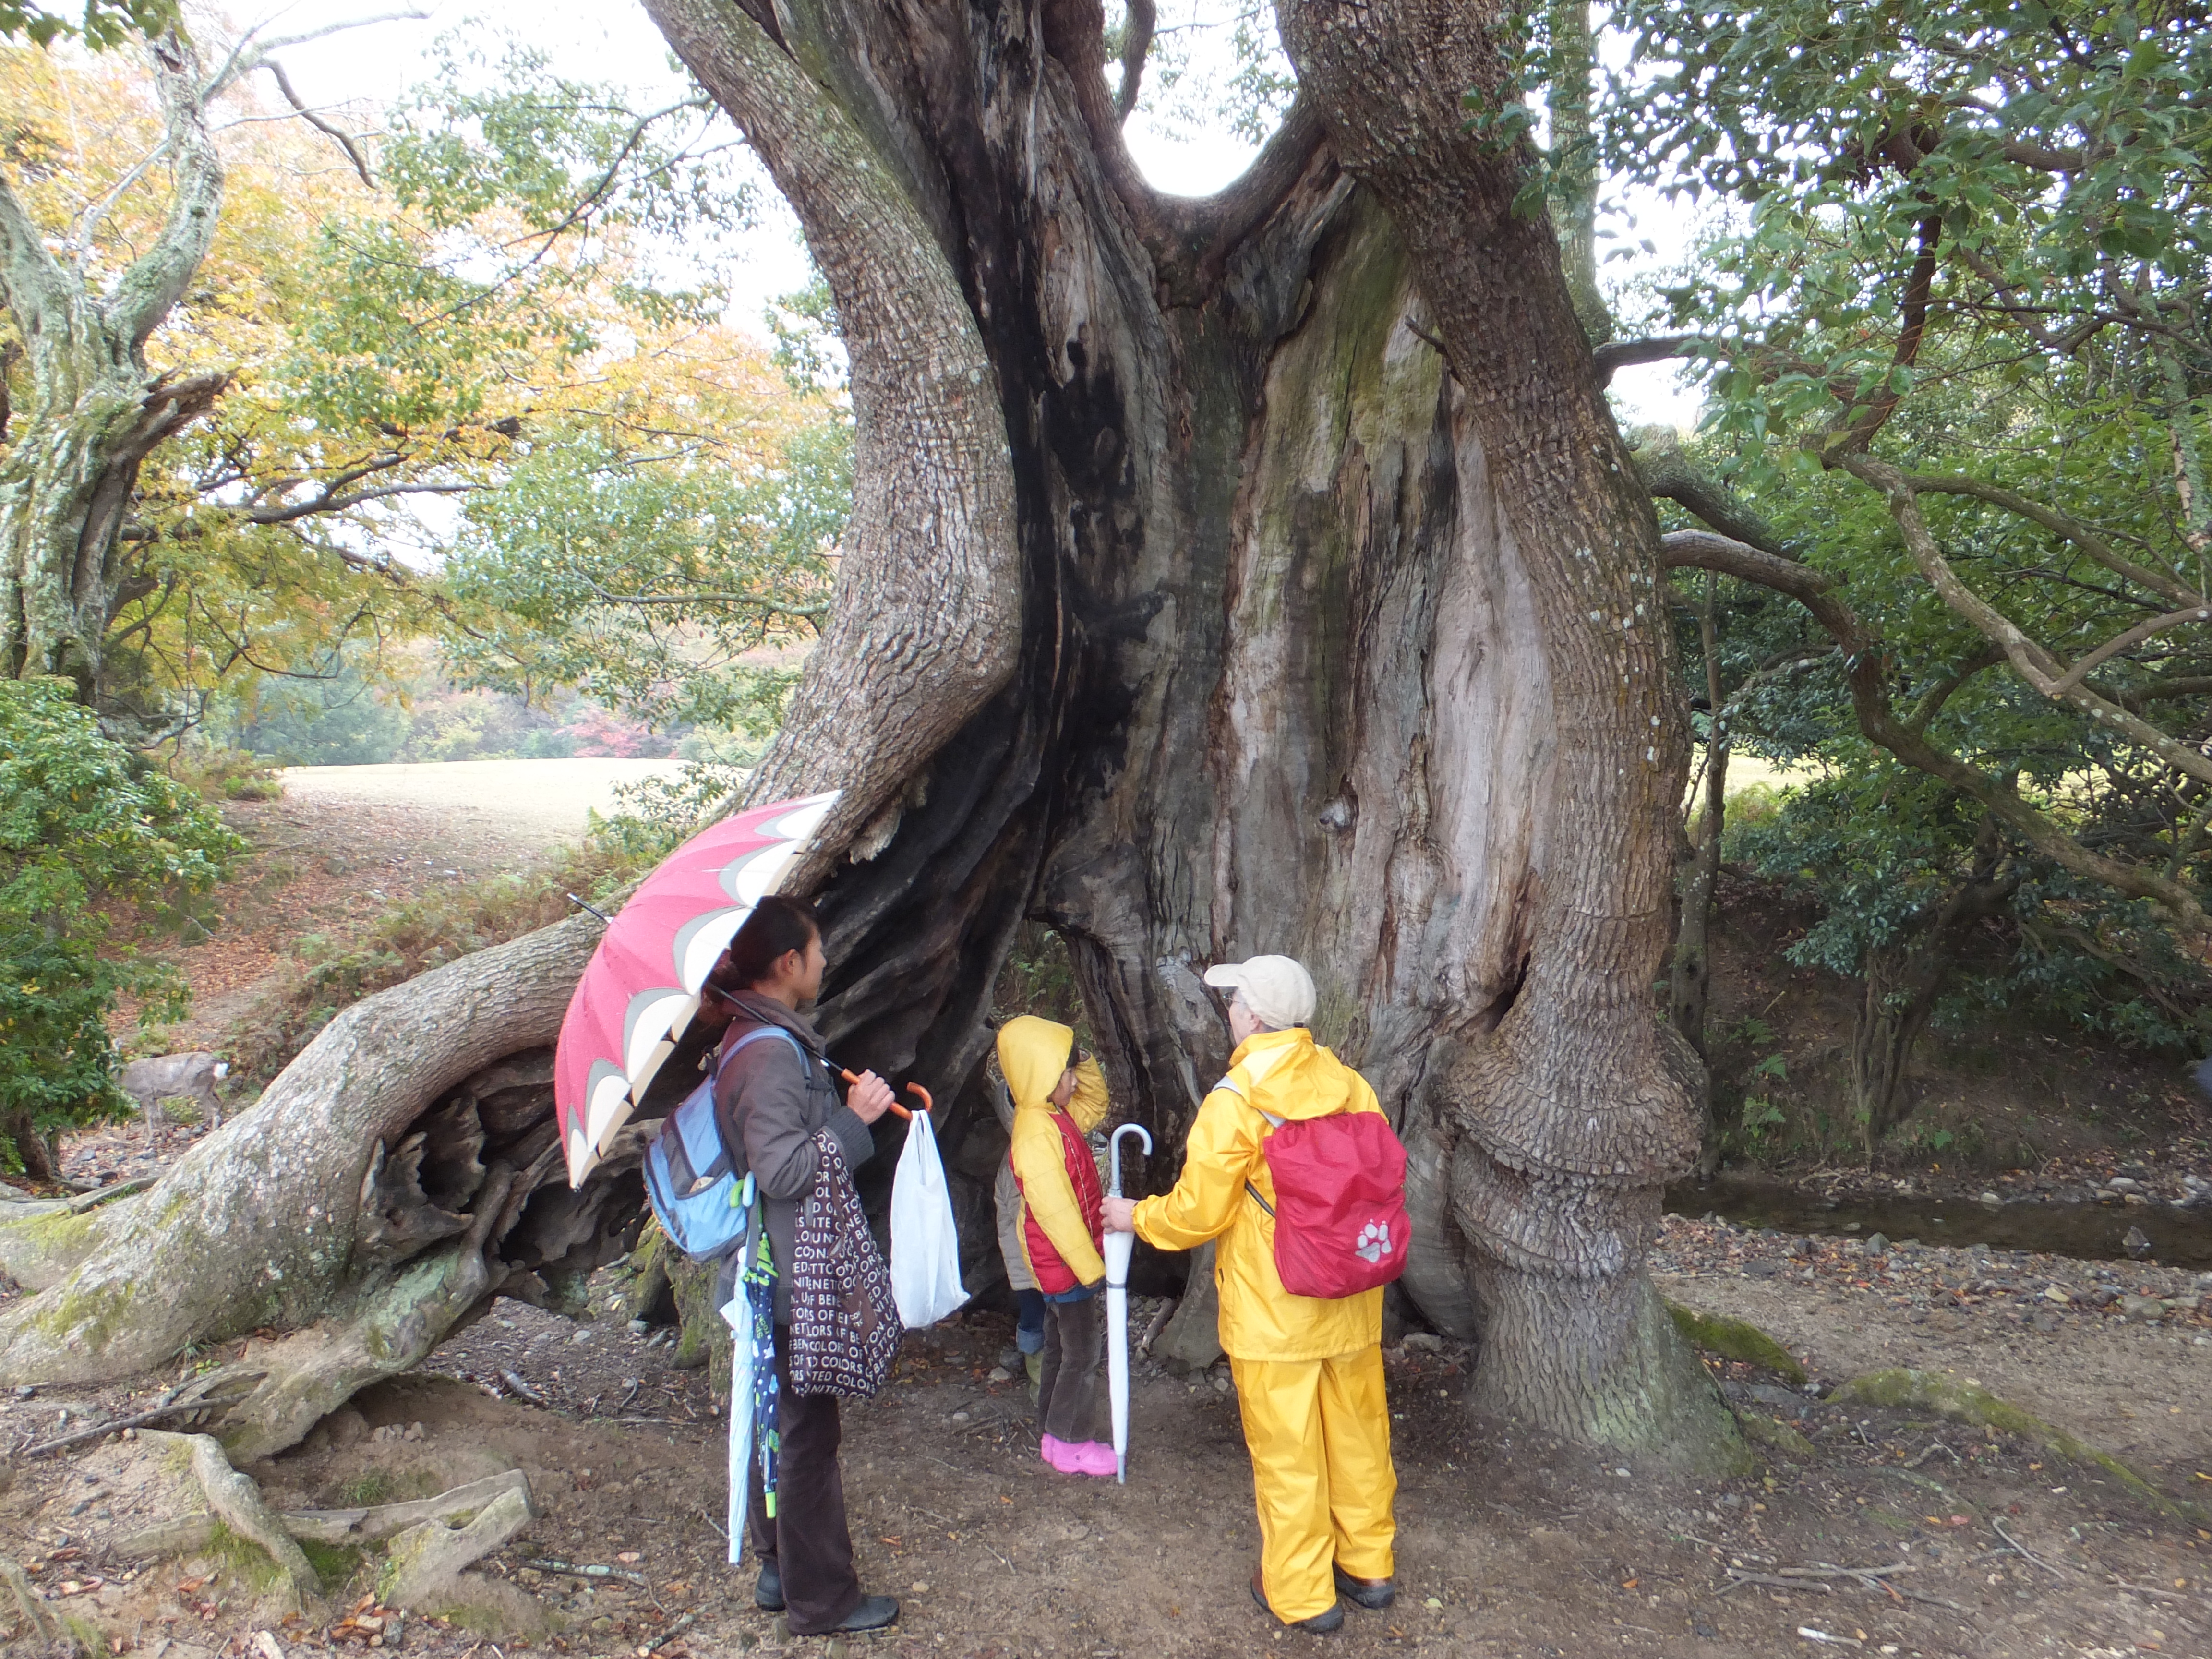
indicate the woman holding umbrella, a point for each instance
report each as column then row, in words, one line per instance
column 772, row 1098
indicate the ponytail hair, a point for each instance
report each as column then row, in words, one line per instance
column 776, row 926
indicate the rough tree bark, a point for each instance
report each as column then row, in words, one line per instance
column 404, row 1169
column 1257, row 573
column 96, row 409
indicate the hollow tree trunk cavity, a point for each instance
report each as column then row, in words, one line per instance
column 1329, row 641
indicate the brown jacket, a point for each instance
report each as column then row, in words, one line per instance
column 770, row 1104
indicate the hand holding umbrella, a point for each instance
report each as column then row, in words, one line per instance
column 1119, row 1246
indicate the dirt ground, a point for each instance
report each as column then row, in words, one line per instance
column 1508, row 1544
column 345, row 843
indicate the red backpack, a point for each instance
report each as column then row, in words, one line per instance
column 1339, row 1209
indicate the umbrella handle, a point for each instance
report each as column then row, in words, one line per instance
column 927, row 1105
column 1114, row 1146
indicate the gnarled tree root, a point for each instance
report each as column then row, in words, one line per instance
column 1734, row 1338
column 343, row 1527
column 401, row 1172
column 1967, row 1402
column 236, row 1502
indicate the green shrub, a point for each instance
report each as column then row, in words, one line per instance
column 86, row 825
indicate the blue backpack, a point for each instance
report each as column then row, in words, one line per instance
column 689, row 1173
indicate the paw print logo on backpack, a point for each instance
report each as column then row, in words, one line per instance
column 1374, row 1242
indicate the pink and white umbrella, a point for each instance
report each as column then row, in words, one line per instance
column 642, row 986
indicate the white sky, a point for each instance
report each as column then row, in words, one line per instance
column 613, row 41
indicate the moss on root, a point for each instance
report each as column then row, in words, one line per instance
column 1777, row 1437
column 705, row 1338
column 1902, row 1388
column 334, row 1564
column 1735, row 1339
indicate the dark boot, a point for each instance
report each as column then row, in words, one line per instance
column 1373, row 1594
column 1320, row 1625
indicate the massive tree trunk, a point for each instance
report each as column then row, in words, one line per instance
column 1339, row 632
column 1262, row 573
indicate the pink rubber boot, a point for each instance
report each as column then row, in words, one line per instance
column 1059, row 1454
column 1093, row 1457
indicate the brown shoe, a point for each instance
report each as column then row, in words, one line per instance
column 1320, row 1625
column 1372, row 1593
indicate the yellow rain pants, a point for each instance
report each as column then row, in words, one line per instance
column 1319, row 1432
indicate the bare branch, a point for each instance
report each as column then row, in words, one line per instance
column 1878, row 721
column 88, row 223
column 2135, row 636
column 344, row 139
column 1657, row 348
column 1136, row 41
column 248, row 51
column 333, row 502
column 2028, row 658
column 1933, row 699
column 2167, row 587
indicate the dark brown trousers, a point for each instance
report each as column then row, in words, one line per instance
column 1073, row 1401
column 808, row 1542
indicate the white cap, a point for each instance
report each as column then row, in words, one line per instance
column 1276, row 988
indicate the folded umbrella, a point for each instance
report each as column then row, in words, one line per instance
column 1119, row 1248
column 749, row 1313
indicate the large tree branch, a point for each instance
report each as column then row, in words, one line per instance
column 31, row 279
column 1864, row 665
column 2029, row 659
column 1870, row 418
column 157, row 278
column 1136, row 41
column 1669, row 475
column 1654, row 349
column 927, row 621
column 2168, row 587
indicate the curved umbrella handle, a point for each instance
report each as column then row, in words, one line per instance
column 927, row 1105
column 1114, row 1152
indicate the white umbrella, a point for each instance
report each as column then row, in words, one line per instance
column 1118, row 1248
column 740, row 1313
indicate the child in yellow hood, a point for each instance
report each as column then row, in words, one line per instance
column 1060, row 1094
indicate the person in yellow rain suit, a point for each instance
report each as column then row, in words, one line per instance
column 1059, row 1095
column 1308, row 1371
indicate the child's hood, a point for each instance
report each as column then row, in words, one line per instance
column 1032, row 1053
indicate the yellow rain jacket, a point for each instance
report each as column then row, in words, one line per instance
column 1287, row 1075
column 1032, row 1053
column 1309, row 1370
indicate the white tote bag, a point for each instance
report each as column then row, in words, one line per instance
column 925, row 1244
